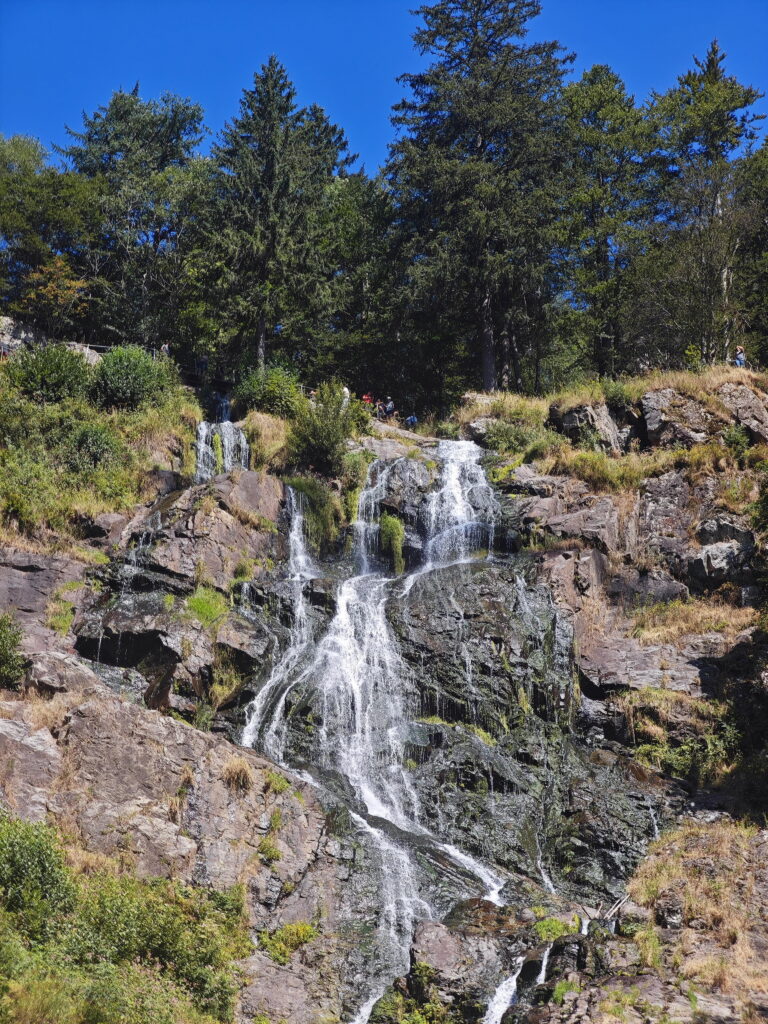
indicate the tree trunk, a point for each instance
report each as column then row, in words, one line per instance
column 487, row 346
column 261, row 343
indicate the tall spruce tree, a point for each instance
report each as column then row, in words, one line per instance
column 277, row 163
column 475, row 174
column 613, row 196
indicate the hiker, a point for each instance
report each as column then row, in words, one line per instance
column 345, row 396
column 389, row 408
column 368, row 398
column 381, row 412
column 741, row 359
column 411, row 421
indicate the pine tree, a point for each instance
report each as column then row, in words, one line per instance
column 475, row 173
column 277, row 163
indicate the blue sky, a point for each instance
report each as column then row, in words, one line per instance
column 60, row 57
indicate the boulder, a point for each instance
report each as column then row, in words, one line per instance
column 749, row 407
column 672, row 419
column 585, row 421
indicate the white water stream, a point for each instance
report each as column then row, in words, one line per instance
column 356, row 677
column 504, row 996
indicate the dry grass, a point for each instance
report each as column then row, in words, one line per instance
column 503, row 405
column 711, row 871
column 666, row 707
column 238, row 774
column 268, row 436
column 87, row 862
column 668, row 622
column 43, row 713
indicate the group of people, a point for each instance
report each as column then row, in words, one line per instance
column 385, row 410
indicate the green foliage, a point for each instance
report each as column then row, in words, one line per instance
column 207, row 605
column 104, row 949
column 92, row 446
column 268, row 850
column 391, row 536
column 218, row 454
column 49, row 373
column 12, row 661
column 550, row 928
column 282, row 943
column 35, row 886
column 276, row 782
column 737, row 440
column 562, row 988
column 322, row 427
column 322, row 511
column 274, row 389
column 128, row 376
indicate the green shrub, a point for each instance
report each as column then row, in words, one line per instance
column 391, row 536
column 281, row 944
column 562, row 988
column 268, row 850
column 510, row 438
column 128, row 376
column 50, row 373
column 274, row 390
column 11, row 659
column 736, row 438
column 322, row 427
column 276, row 782
column 322, row 510
column 35, row 886
column 91, row 446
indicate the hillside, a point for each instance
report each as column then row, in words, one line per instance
column 555, row 642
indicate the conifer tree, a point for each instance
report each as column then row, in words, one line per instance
column 277, row 163
column 475, row 174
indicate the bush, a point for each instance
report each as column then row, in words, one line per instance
column 11, row 659
column 207, row 605
column 128, row 376
column 93, row 445
column 49, row 374
column 286, row 940
column 321, row 429
column 737, row 440
column 34, row 883
column 274, row 390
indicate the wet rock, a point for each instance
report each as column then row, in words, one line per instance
column 29, row 579
column 53, row 672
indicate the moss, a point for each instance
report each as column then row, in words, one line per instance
column 207, row 605
column 392, row 535
column 218, row 454
column 482, row 734
column 281, row 944
column 550, row 928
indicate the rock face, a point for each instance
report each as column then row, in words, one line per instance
column 153, row 792
column 587, row 422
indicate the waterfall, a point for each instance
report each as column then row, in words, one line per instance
column 234, row 451
column 542, row 975
column 354, row 676
column 504, row 997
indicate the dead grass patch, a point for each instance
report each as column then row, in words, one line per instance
column 238, row 774
column 268, row 437
column 46, row 713
column 667, row 622
column 711, row 870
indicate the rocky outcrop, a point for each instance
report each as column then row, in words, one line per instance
column 587, row 423
column 672, row 419
column 749, row 407
column 153, row 793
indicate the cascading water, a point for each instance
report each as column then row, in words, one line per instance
column 504, row 996
column 355, row 678
column 233, row 450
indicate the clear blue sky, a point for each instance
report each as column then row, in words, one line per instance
column 60, row 57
